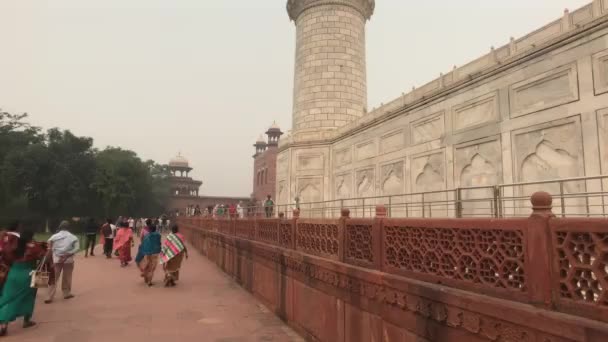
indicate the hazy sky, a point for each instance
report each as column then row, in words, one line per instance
column 207, row 77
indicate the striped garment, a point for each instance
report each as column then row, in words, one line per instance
column 174, row 244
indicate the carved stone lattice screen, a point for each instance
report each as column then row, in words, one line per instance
column 285, row 234
column 359, row 243
column 225, row 226
column 245, row 229
column 268, row 231
column 581, row 259
column 318, row 237
column 491, row 258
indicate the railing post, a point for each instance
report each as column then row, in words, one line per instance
column 458, row 203
column 344, row 216
column 294, row 228
column 496, row 209
column 423, row 205
column 377, row 238
column 538, row 251
column 561, row 197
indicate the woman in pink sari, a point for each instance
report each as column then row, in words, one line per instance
column 123, row 243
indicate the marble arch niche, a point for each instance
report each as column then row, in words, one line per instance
column 547, row 152
column 365, row 182
column 428, row 175
column 310, row 190
column 343, row 186
column 478, row 167
column 392, row 184
column 282, row 193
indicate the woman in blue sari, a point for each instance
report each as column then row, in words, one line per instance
column 148, row 255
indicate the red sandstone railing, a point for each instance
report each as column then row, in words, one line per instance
column 558, row 264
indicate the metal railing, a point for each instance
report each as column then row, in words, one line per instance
column 572, row 197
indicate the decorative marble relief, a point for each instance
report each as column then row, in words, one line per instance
column 310, row 162
column 310, row 189
column 428, row 128
column 478, row 163
column 428, row 172
column 343, row 156
column 365, row 150
column 282, row 192
column 600, row 72
column 365, row 185
column 392, row 141
column 475, row 112
column 602, row 123
column 343, row 185
column 550, row 89
column 550, row 151
column 392, row 178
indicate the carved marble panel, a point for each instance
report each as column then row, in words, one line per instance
column 552, row 88
column 310, row 162
column 475, row 112
column 600, row 72
column 428, row 128
column 310, row 189
column 392, row 141
column 365, row 183
column 392, row 181
column 343, row 186
column 282, row 192
column 428, row 172
column 365, row 150
column 549, row 151
column 478, row 163
column 602, row 123
column 343, row 156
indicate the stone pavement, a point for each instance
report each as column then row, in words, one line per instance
column 113, row 304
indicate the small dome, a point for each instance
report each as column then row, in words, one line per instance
column 275, row 126
column 179, row 161
column 261, row 139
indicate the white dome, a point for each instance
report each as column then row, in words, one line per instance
column 179, row 161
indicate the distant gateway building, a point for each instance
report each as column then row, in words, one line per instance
column 534, row 109
column 185, row 191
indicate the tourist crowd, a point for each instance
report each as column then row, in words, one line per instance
column 233, row 211
column 27, row 265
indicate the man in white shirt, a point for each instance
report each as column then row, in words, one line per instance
column 64, row 245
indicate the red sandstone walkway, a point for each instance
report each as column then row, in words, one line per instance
column 113, row 304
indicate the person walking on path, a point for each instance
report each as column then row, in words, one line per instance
column 90, row 232
column 123, row 243
column 8, row 244
column 149, row 255
column 18, row 298
column 107, row 236
column 64, row 246
column 268, row 206
column 172, row 255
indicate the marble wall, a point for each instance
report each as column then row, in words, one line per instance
column 542, row 114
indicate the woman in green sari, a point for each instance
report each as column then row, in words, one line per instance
column 18, row 297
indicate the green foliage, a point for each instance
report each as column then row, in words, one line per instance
column 48, row 176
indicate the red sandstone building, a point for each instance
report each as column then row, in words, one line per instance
column 185, row 198
column 265, row 165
